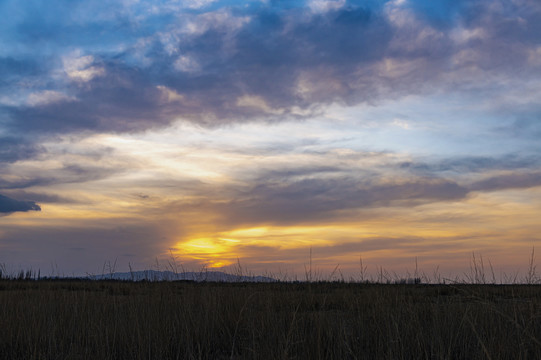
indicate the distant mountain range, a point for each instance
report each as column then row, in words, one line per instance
column 154, row 275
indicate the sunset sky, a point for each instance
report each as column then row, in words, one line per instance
column 217, row 131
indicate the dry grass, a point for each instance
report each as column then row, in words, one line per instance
column 326, row 320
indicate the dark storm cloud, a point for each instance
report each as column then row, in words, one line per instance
column 285, row 59
column 8, row 205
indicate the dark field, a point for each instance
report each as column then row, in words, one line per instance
column 182, row 320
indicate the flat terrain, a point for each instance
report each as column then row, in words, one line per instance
column 184, row 320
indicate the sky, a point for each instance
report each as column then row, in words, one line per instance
column 271, row 133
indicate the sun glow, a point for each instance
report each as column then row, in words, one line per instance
column 228, row 247
column 214, row 252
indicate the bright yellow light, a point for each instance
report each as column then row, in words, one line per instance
column 251, row 232
column 230, row 240
column 218, row 264
column 226, row 247
column 214, row 252
column 203, row 246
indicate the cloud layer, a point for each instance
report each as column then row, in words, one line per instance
column 149, row 65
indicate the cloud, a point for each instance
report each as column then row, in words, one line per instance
column 327, row 199
column 67, row 174
column 473, row 164
column 310, row 193
column 508, row 181
column 263, row 61
column 14, row 70
column 352, row 188
column 81, row 68
column 39, row 197
column 13, row 149
column 8, row 205
column 47, row 97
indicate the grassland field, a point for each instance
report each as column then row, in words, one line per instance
column 76, row 319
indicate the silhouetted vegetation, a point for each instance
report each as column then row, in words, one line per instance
column 319, row 320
